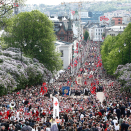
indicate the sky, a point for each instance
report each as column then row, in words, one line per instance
column 54, row 2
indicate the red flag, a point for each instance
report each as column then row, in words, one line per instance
column 43, row 90
column 73, row 12
column 18, row 93
column 76, row 82
column 90, row 76
column 81, row 69
column 85, row 83
column 93, row 90
column 44, row 83
column 92, row 84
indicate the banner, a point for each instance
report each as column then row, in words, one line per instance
column 79, row 81
column 65, row 91
column 55, row 108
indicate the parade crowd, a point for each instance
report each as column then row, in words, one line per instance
column 29, row 109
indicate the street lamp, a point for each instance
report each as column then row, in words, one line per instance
column 21, row 48
column 122, row 51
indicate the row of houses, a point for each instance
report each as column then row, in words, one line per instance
column 98, row 32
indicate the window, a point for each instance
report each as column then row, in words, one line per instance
column 62, row 32
column 119, row 22
column 96, row 29
column 101, row 29
column 96, row 33
column 119, row 19
column 61, row 53
column 61, row 38
column 99, row 33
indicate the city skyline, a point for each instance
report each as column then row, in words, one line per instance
column 57, row 2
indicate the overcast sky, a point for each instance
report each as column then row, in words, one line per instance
column 55, row 2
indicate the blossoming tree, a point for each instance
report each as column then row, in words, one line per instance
column 123, row 73
column 14, row 74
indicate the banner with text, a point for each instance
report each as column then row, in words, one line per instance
column 55, row 107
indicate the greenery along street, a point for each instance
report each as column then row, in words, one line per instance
column 116, row 50
column 27, row 54
column 33, row 32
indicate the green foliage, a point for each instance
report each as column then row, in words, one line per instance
column 33, row 32
column 7, row 6
column 108, row 6
column 111, row 57
column 2, row 43
column 86, row 35
column 103, row 34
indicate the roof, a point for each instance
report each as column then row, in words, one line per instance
column 117, row 28
column 62, row 43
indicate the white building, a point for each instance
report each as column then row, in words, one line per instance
column 95, row 32
column 114, row 30
column 98, row 31
column 126, row 19
column 66, row 52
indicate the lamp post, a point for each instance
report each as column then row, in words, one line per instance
column 122, row 51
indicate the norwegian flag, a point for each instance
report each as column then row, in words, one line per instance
column 43, row 89
column 93, row 90
column 85, row 83
column 75, row 63
column 86, row 63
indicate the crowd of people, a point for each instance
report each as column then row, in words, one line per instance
column 28, row 109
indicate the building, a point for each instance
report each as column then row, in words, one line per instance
column 66, row 52
column 125, row 15
column 126, row 19
column 92, row 17
column 114, row 30
column 95, row 31
column 63, row 28
column 65, row 32
column 116, row 20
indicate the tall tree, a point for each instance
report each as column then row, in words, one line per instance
column 86, row 35
column 116, row 50
column 33, row 32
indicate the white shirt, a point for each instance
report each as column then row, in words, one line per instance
column 117, row 127
column 115, row 121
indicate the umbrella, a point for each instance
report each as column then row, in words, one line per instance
column 61, row 71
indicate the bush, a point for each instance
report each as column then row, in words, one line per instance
column 16, row 75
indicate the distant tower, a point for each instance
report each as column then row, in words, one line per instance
column 16, row 9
